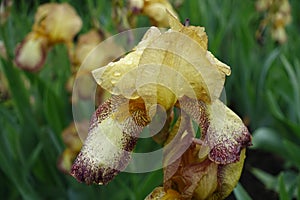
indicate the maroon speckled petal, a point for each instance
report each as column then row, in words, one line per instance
column 226, row 134
column 221, row 129
column 196, row 110
column 112, row 137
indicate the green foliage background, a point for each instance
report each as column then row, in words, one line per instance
column 264, row 88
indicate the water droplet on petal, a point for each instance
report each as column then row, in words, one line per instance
column 113, row 81
column 117, row 74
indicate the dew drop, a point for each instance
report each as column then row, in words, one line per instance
column 117, row 74
column 113, row 81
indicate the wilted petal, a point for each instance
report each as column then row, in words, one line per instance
column 31, row 53
column 112, row 136
column 57, row 22
column 223, row 134
column 179, row 140
column 193, row 177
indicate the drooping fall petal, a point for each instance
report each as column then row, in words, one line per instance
column 226, row 135
column 112, row 136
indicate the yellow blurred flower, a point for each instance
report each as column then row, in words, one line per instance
column 88, row 56
column 278, row 16
column 156, row 10
column 85, row 44
column 59, row 23
column 54, row 23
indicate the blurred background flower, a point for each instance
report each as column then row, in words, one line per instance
column 277, row 14
column 156, row 10
column 5, row 7
column 54, row 23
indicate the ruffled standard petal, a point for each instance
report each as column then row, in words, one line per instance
column 119, row 77
column 160, row 70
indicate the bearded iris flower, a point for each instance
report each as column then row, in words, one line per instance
column 172, row 69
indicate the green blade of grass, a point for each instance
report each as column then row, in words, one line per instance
column 240, row 193
column 267, row 179
column 283, row 194
column 294, row 82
